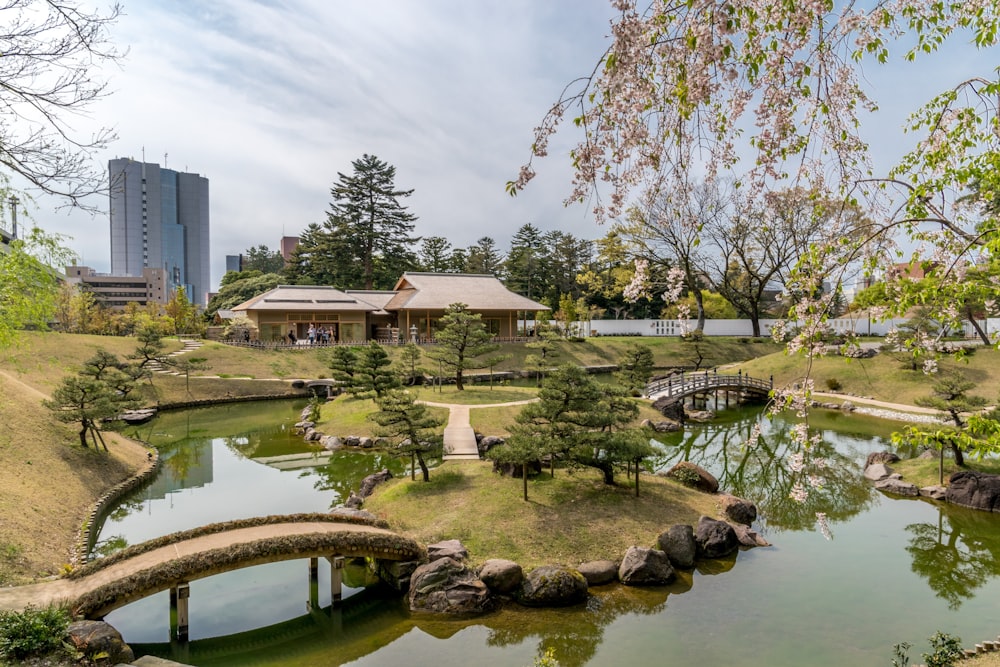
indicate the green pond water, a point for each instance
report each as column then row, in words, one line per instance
column 894, row 570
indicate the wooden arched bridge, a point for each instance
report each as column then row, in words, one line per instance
column 676, row 388
column 171, row 562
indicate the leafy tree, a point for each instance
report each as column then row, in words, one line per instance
column 366, row 239
column 484, row 257
column 28, row 287
column 436, row 256
column 460, row 341
column 373, row 376
column 343, row 361
column 52, row 51
column 636, row 367
column 604, row 280
column 237, row 287
column 185, row 365
column 87, row 401
column 182, row 312
column 262, row 259
column 580, row 421
column 522, row 267
column 409, row 360
column 523, row 447
column 150, row 350
column 950, row 395
column 411, row 426
column 565, row 257
column 545, row 341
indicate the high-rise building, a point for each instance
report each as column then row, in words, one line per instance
column 160, row 219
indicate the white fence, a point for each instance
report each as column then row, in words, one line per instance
column 861, row 327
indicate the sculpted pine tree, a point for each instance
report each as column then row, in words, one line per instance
column 410, row 426
column 460, row 341
column 373, row 376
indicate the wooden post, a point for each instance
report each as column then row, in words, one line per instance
column 179, row 596
column 336, row 580
column 313, row 602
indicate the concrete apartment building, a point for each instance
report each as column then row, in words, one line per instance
column 116, row 292
column 160, row 220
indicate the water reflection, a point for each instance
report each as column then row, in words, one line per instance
column 763, row 474
column 958, row 554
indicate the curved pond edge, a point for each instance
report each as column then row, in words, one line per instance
column 88, row 530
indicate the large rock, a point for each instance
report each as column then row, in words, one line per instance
column 599, row 572
column 897, row 487
column 645, row 567
column 877, row 472
column 749, row 537
column 97, row 637
column 974, row 489
column 933, row 492
column 488, row 442
column 331, row 442
column 445, row 586
column 501, row 576
column 670, row 408
column 693, row 475
column 701, row 416
column 354, row 513
column 881, row 457
column 664, row 426
column 369, row 483
column 552, row 586
column 715, row 538
column 737, row 509
column 679, row 545
column 447, row 549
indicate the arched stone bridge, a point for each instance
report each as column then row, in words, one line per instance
column 676, row 388
column 167, row 563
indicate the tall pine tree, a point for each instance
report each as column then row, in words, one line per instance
column 372, row 227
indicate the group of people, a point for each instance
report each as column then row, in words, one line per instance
column 317, row 335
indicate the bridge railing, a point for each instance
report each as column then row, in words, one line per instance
column 683, row 384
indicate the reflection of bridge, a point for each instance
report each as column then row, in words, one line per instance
column 172, row 562
column 676, row 388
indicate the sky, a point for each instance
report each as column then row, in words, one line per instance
column 270, row 99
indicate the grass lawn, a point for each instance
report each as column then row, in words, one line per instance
column 924, row 472
column 571, row 518
column 880, row 377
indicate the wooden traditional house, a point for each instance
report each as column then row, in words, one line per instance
column 422, row 298
column 411, row 310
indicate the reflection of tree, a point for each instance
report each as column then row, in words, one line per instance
column 575, row 633
column 956, row 556
column 125, row 508
column 762, row 473
column 346, row 469
column 109, row 546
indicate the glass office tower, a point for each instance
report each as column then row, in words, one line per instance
column 160, row 219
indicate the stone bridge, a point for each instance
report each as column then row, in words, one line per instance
column 171, row 562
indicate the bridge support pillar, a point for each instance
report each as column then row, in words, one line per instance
column 313, row 584
column 336, row 580
column 179, row 597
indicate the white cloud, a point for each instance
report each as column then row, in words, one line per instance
column 270, row 99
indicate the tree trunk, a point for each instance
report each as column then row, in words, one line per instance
column 413, row 466
column 637, row 479
column 699, row 301
column 524, row 479
column 423, row 467
column 755, row 322
column 975, row 325
column 959, row 457
column 609, row 473
column 458, row 380
column 83, row 435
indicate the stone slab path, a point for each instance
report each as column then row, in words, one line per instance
column 459, row 438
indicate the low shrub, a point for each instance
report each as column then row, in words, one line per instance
column 833, row 384
column 32, row 631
